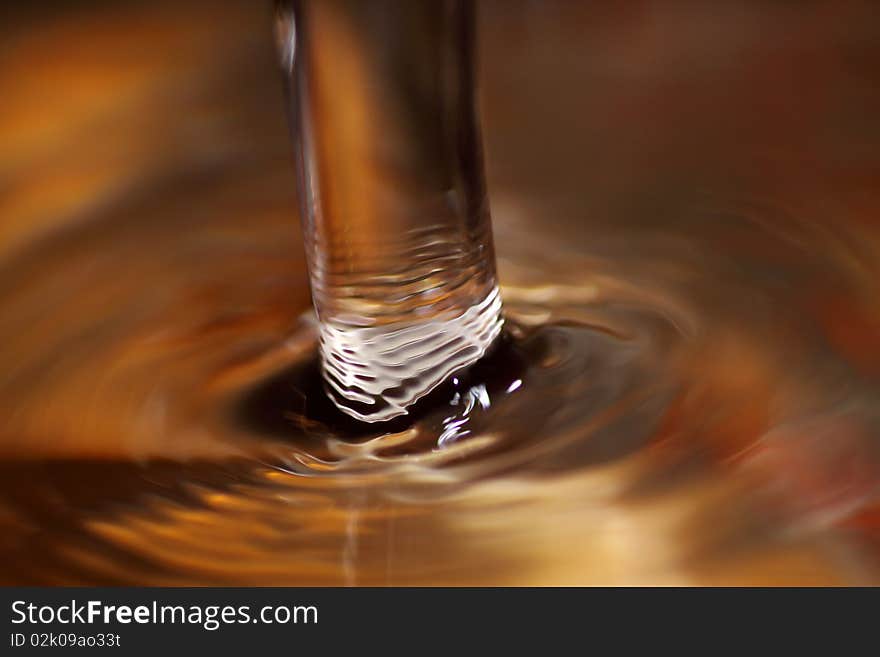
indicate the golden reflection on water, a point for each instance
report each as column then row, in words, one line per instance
column 686, row 225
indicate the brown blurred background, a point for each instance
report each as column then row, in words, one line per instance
column 718, row 162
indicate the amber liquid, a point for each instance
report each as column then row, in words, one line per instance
column 685, row 223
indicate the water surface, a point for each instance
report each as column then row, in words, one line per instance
column 685, row 221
